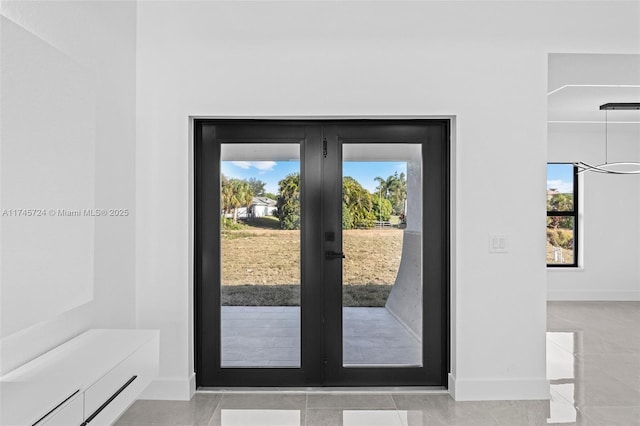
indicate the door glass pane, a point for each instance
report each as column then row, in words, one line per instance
column 260, row 255
column 382, row 242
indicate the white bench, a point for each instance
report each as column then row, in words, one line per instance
column 89, row 380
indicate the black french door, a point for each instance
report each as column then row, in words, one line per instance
column 332, row 269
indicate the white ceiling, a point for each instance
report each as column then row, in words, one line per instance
column 582, row 103
column 580, row 83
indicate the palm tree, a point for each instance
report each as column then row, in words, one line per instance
column 384, row 185
column 400, row 192
column 242, row 197
column 247, row 196
column 226, row 194
column 289, row 201
column 394, row 189
column 234, row 194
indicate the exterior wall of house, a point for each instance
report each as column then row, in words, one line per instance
column 261, row 211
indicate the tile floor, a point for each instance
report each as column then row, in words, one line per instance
column 269, row 336
column 593, row 366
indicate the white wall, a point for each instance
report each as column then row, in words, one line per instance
column 609, row 267
column 483, row 62
column 44, row 165
column 68, row 141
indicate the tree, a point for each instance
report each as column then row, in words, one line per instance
column 347, row 219
column 270, row 195
column 359, row 203
column 381, row 207
column 560, row 203
column 246, row 195
column 226, row 194
column 257, row 186
column 289, row 201
column 384, row 185
column 394, row 189
column 234, row 194
column 400, row 193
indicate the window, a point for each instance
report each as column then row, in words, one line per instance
column 562, row 215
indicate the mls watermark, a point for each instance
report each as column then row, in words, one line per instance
column 66, row 212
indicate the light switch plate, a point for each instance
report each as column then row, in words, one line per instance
column 498, row 243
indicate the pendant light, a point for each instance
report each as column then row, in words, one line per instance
column 615, row 168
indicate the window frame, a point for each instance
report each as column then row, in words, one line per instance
column 574, row 214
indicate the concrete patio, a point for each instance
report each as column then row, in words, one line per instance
column 268, row 336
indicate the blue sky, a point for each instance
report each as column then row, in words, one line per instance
column 272, row 172
column 560, row 177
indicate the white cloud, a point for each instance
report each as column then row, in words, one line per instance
column 560, row 185
column 260, row 165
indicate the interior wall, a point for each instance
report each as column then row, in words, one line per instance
column 608, row 263
column 68, row 142
column 44, row 165
column 483, row 62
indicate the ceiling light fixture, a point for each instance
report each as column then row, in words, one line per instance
column 616, row 168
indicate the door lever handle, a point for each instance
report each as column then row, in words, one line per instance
column 330, row 254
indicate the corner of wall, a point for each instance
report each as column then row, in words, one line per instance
column 175, row 389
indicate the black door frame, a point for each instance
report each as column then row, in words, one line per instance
column 321, row 362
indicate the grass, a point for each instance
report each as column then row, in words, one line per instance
column 372, row 256
column 260, row 295
column 369, row 295
column 260, row 257
column 567, row 254
column 264, row 222
column 265, row 266
column 562, row 238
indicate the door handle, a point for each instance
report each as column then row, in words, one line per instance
column 330, row 254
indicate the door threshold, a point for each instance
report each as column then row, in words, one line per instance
column 431, row 390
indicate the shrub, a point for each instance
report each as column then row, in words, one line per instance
column 560, row 238
column 347, row 219
column 381, row 208
column 228, row 224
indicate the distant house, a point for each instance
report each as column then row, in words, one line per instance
column 262, row 206
column 551, row 193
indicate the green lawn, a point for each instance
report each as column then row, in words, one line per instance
column 368, row 295
column 264, row 222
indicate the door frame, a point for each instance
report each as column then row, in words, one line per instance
column 310, row 376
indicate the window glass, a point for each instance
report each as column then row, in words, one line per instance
column 562, row 215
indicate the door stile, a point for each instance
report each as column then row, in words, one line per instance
column 332, row 243
column 311, row 294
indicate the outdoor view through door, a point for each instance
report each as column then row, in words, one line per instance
column 381, row 274
column 260, row 255
column 321, row 252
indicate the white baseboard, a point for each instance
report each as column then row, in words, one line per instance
column 176, row 389
column 593, row 295
column 498, row 389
